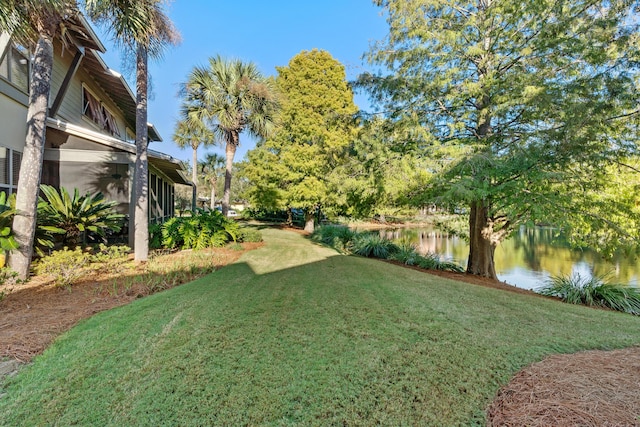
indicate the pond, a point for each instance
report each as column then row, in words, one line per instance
column 527, row 259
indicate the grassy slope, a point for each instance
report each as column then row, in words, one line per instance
column 294, row 334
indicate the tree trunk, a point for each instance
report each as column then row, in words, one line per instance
column 213, row 194
column 141, row 227
column 309, row 221
column 481, row 245
column 24, row 222
column 231, row 147
column 194, row 179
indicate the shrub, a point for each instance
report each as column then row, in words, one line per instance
column 7, row 204
column 205, row 229
column 406, row 254
column 155, row 235
column 64, row 266
column 373, row 246
column 246, row 234
column 73, row 217
column 593, row 291
column 337, row 236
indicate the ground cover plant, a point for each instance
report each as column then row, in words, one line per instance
column 297, row 334
column 372, row 245
column 593, row 291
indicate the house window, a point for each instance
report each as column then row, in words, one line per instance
column 9, row 169
column 94, row 110
column 14, row 63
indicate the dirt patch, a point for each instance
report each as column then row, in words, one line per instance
column 591, row 388
column 34, row 314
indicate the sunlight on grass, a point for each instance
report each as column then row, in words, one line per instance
column 327, row 340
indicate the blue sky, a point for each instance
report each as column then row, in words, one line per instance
column 266, row 32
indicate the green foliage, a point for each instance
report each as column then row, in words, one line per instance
column 373, row 344
column 593, row 291
column 406, row 254
column 523, row 111
column 74, row 217
column 316, row 126
column 7, row 210
column 373, row 245
column 249, row 235
column 155, row 235
column 205, row 229
column 336, row 236
column 64, row 266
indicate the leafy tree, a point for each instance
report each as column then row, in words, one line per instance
column 230, row 97
column 142, row 27
column 192, row 135
column 315, row 132
column 537, row 97
column 28, row 21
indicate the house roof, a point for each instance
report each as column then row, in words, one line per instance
column 170, row 166
column 112, row 82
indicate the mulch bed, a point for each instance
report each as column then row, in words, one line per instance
column 591, row 388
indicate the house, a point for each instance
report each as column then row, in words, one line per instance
column 90, row 141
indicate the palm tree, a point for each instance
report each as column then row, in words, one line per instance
column 231, row 97
column 192, row 135
column 26, row 21
column 210, row 169
column 143, row 27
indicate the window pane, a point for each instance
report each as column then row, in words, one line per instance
column 19, row 69
column 4, row 166
column 17, row 159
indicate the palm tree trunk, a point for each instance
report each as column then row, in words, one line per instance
column 194, row 179
column 24, row 222
column 213, row 194
column 141, row 225
column 231, row 147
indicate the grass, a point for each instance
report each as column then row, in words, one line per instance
column 295, row 334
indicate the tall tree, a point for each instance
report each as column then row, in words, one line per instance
column 231, row 97
column 315, row 132
column 139, row 26
column 26, row 21
column 210, row 170
column 192, row 135
column 535, row 95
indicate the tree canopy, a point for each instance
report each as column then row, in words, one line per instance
column 316, row 127
column 532, row 100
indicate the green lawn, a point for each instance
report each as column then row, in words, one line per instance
column 295, row 334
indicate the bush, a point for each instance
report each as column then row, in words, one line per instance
column 74, row 217
column 64, row 266
column 204, row 229
column 337, row 236
column 407, row 254
column 7, row 205
column 249, row 235
column 593, row 291
column 373, row 246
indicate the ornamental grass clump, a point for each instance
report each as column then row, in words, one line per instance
column 338, row 237
column 373, row 246
column 593, row 291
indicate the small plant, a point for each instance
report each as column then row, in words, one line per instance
column 74, row 217
column 205, row 229
column 593, row 291
column 249, row 235
column 406, row 254
column 7, row 241
column 373, row 246
column 64, row 266
column 337, row 236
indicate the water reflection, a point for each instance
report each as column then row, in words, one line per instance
column 527, row 259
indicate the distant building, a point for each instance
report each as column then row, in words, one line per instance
column 90, row 130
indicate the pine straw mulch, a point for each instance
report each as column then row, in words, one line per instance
column 34, row 314
column 591, row 388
